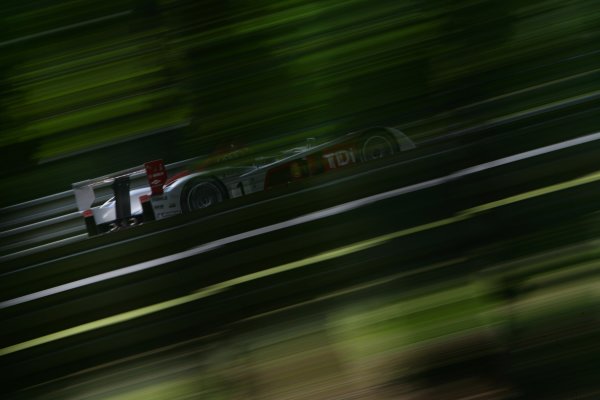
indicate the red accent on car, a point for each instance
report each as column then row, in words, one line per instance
column 88, row 213
column 157, row 175
column 286, row 173
column 177, row 176
column 277, row 175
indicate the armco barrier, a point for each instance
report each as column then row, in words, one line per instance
column 55, row 217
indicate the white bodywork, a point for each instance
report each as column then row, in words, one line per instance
column 238, row 181
column 106, row 212
column 248, row 179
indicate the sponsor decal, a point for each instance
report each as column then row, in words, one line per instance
column 157, row 175
column 166, row 214
column 164, row 206
column 340, row 158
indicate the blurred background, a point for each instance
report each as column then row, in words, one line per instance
column 138, row 79
column 500, row 302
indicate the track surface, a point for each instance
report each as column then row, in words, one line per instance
column 431, row 215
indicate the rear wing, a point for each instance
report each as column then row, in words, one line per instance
column 85, row 191
column 119, row 183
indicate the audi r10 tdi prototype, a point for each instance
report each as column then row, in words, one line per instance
column 192, row 190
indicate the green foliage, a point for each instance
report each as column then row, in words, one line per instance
column 83, row 73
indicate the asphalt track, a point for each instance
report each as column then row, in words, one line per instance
column 121, row 295
column 332, row 211
column 222, row 286
column 475, row 204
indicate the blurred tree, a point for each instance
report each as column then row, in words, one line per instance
column 468, row 32
column 270, row 69
column 16, row 155
column 232, row 80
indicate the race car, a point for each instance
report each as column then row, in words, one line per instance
column 218, row 179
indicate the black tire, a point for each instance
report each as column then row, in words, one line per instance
column 200, row 193
column 377, row 145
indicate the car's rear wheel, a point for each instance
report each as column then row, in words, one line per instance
column 376, row 146
column 201, row 193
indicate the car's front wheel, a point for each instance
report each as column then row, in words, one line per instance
column 376, row 146
column 201, row 193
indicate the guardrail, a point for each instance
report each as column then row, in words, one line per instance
column 55, row 217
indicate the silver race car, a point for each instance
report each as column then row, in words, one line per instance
column 215, row 181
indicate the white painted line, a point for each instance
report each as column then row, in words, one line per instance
column 34, row 250
column 329, row 255
column 43, row 247
column 40, row 224
column 34, row 202
column 328, row 212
